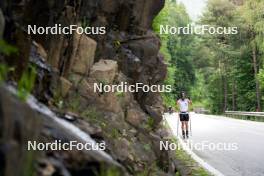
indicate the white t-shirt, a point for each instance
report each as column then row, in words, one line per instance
column 184, row 104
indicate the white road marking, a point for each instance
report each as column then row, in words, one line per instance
column 173, row 126
column 248, row 135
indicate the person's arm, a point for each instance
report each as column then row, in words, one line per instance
column 190, row 101
column 177, row 105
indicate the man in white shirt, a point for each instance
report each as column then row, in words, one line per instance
column 183, row 104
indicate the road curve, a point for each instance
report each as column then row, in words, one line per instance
column 240, row 143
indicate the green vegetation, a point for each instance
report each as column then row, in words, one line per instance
column 177, row 50
column 147, row 147
column 220, row 71
column 115, row 133
column 252, row 118
column 184, row 159
column 85, row 22
column 29, row 164
column 187, row 161
column 58, row 101
column 26, row 82
column 74, row 104
column 117, row 44
column 4, row 70
column 120, row 94
column 6, row 48
column 109, row 171
column 151, row 169
column 150, row 123
column 92, row 113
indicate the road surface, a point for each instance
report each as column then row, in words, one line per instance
column 240, row 143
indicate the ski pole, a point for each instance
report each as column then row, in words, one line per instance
column 178, row 125
column 190, row 125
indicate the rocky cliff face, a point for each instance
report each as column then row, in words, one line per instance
column 69, row 65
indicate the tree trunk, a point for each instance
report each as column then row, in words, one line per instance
column 224, row 79
column 225, row 93
column 233, row 96
column 255, row 65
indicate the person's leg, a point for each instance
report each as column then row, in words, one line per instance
column 187, row 125
column 182, row 116
column 182, row 127
column 186, row 128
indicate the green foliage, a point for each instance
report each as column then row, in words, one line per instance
column 85, row 22
column 7, row 49
column 151, row 169
column 187, row 161
column 117, row 44
column 26, row 83
column 261, row 78
column 147, row 147
column 73, row 105
column 28, row 169
column 58, row 101
column 120, row 94
column 115, row 133
column 91, row 113
column 145, row 172
column 215, row 70
column 150, row 123
column 27, row 80
column 112, row 171
column 199, row 92
column 177, row 51
column 231, row 55
column 4, row 70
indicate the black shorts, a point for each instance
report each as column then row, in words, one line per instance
column 184, row 117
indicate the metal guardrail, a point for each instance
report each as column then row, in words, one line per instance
column 200, row 110
column 245, row 113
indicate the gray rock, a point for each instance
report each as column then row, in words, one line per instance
column 16, row 128
column 135, row 116
column 83, row 54
column 64, row 86
column 104, row 71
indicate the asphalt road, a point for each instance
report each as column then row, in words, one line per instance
column 240, row 143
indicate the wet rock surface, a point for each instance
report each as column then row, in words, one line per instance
column 28, row 124
column 2, row 24
column 68, row 66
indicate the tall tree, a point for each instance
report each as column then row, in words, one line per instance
column 252, row 13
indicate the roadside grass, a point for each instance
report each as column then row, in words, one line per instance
column 185, row 163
